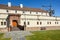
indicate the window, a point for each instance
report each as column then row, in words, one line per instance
column 36, row 12
column 37, row 23
column 48, row 22
column 30, row 12
column 56, row 22
column 40, row 23
column 43, row 28
column 4, row 23
column 23, row 11
column 1, row 23
column 15, row 11
column 7, row 11
column 24, row 23
column 28, row 23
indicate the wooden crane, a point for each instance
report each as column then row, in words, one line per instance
column 50, row 10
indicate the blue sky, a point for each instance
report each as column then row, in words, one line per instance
column 36, row 4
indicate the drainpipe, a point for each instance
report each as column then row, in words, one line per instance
column 25, row 23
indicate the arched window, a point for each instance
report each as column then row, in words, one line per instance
column 24, row 23
column 7, row 11
column 28, row 23
column 48, row 22
column 15, row 11
column 1, row 23
column 40, row 23
column 4, row 23
column 37, row 23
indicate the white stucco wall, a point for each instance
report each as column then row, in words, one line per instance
column 3, row 18
column 21, row 12
column 33, row 23
column 3, row 15
column 11, row 11
column 32, row 19
column 3, row 11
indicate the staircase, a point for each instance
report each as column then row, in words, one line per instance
column 15, row 29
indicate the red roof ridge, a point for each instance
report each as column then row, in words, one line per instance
column 24, row 8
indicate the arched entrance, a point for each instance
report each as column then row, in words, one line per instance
column 14, row 21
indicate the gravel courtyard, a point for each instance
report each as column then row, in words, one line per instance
column 17, row 35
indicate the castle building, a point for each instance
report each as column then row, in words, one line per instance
column 28, row 19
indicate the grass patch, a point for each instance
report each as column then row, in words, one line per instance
column 2, row 38
column 45, row 35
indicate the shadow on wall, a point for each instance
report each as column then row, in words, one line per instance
column 20, row 27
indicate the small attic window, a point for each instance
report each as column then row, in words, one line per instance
column 15, row 11
column 30, row 12
column 23, row 11
column 36, row 12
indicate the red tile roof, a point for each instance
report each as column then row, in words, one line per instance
column 18, row 8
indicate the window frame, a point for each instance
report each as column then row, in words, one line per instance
column 28, row 23
column 15, row 11
column 40, row 23
column 7, row 11
column 2, row 23
column 48, row 22
column 37, row 23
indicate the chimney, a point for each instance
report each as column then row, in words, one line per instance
column 9, row 4
column 21, row 5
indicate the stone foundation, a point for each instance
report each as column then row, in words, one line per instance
column 32, row 28
column 3, row 29
column 42, row 28
column 53, row 28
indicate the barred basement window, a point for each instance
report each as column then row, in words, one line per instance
column 43, row 28
column 4, row 23
column 1, row 23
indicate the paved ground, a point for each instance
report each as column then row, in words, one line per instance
column 17, row 35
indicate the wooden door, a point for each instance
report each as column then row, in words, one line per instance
column 14, row 23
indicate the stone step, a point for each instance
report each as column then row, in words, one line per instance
column 15, row 29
